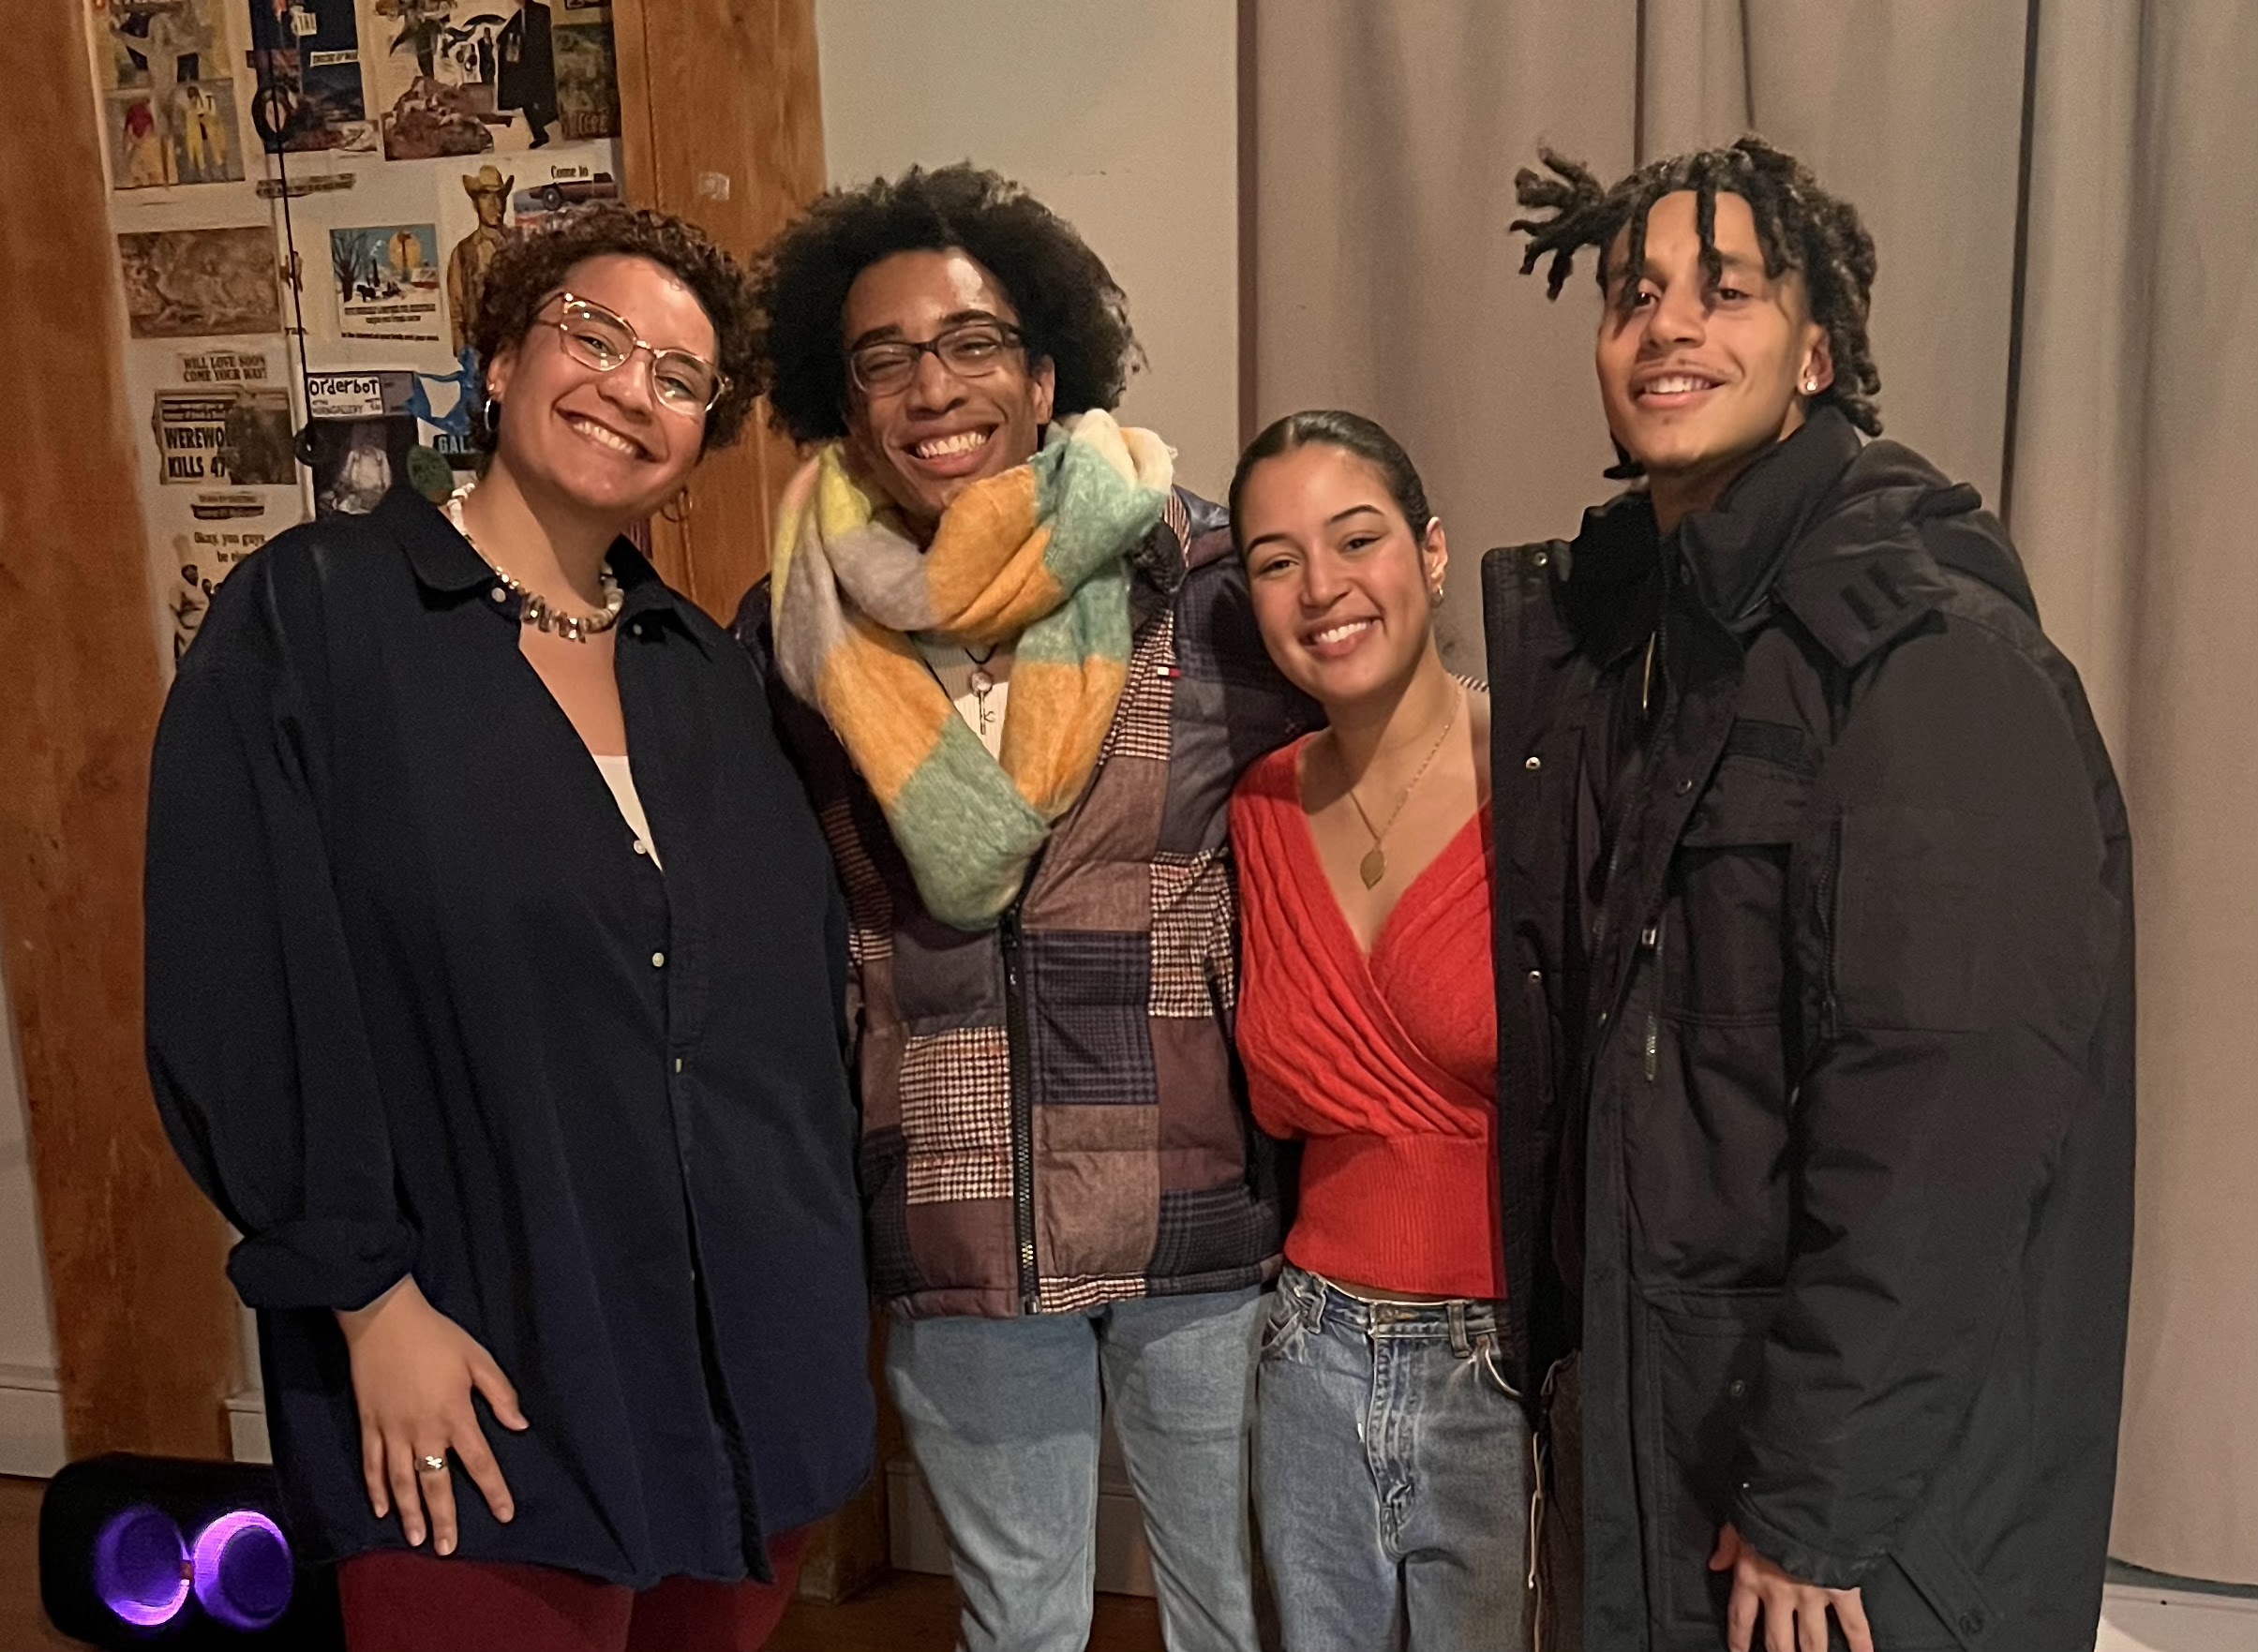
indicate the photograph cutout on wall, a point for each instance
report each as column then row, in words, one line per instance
column 192, row 283
column 225, row 437
column 201, row 117
column 387, row 280
column 474, row 77
column 307, row 55
column 168, row 92
column 588, row 79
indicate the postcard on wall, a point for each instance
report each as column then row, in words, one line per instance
column 189, row 283
column 224, row 437
column 202, row 557
column 199, row 117
column 306, row 55
column 165, row 75
column 471, row 77
column 358, row 437
column 558, row 185
column 588, row 77
column 387, row 282
column 140, row 152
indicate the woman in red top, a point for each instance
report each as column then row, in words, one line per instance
column 1391, row 1456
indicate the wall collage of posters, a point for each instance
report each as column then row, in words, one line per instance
column 305, row 195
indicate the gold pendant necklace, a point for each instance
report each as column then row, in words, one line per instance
column 1374, row 866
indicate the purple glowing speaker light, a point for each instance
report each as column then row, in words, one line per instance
column 140, row 1566
column 242, row 1571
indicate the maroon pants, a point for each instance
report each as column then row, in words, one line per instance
column 411, row 1600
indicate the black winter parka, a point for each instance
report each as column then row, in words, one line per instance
column 1821, row 1115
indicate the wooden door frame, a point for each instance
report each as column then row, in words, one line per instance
column 145, row 1330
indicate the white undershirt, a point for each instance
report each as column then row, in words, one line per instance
column 953, row 667
column 621, row 780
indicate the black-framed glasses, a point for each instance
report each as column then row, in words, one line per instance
column 970, row 350
column 684, row 382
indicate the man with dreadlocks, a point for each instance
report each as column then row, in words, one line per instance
column 1815, row 863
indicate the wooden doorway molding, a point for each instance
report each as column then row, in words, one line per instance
column 721, row 112
column 145, row 1326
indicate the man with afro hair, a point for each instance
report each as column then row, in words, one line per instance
column 1016, row 669
column 1817, row 958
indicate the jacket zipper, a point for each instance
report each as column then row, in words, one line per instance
column 1651, row 942
column 1022, row 1115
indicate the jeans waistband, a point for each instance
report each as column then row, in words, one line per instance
column 1321, row 1302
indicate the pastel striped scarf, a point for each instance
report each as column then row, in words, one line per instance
column 1037, row 557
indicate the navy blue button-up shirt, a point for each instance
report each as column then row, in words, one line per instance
column 417, row 1002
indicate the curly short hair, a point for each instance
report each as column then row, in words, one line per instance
column 530, row 266
column 1799, row 224
column 1072, row 311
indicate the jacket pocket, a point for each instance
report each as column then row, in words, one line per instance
column 1927, row 1597
column 1701, row 1355
column 1704, row 1350
column 1728, row 882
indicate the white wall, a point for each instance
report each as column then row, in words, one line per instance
column 1122, row 118
column 31, row 1402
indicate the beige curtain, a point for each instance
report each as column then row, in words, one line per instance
column 2066, row 315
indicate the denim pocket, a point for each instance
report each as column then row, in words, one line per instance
column 1283, row 1324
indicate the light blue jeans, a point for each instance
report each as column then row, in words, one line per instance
column 1002, row 1416
column 1391, row 1475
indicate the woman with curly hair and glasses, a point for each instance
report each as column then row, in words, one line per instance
column 495, row 965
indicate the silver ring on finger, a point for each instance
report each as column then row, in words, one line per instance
column 431, row 1463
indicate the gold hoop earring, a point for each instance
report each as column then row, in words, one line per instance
column 677, row 510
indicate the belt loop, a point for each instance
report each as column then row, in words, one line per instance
column 1459, row 1342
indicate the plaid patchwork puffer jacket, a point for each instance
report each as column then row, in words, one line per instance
column 1052, row 1113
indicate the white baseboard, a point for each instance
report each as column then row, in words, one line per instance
column 31, row 1421
column 2139, row 1618
column 246, row 1427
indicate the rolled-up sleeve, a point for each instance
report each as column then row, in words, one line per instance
column 257, row 1046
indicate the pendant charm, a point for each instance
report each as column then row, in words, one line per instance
column 981, row 682
column 1373, row 867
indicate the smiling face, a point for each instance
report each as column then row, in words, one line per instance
column 929, row 440
column 603, row 442
column 1344, row 592
column 1699, row 378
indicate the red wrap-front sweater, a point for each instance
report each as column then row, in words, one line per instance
column 1383, row 1064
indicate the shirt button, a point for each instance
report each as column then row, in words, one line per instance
column 635, row 630
column 1533, row 764
column 1536, row 977
column 500, row 594
column 658, row 960
column 678, row 1064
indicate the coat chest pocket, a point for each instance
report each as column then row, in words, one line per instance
column 1727, row 956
